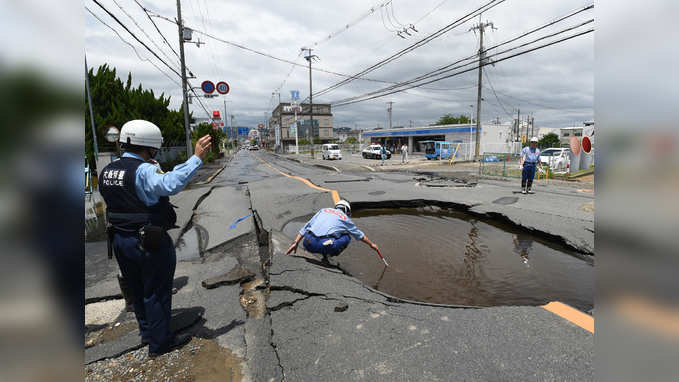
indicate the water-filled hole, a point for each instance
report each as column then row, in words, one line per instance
column 450, row 257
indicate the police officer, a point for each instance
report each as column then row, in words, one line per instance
column 530, row 157
column 329, row 232
column 139, row 214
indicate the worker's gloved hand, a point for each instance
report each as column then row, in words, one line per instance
column 293, row 248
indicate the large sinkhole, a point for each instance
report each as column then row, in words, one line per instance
column 445, row 256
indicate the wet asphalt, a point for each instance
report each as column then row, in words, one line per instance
column 321, row 324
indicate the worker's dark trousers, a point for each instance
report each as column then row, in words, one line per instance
column 322, row 246
column 150, row 277
column 527, row 175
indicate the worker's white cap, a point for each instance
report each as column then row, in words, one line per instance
column 534, row 139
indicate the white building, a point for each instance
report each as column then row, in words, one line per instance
column 495, row 138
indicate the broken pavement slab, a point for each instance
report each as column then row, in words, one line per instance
column 219, row 211
column 235, row 275
column 131, row 340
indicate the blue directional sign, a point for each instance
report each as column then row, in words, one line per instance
column 243, row 131
column 294, row 94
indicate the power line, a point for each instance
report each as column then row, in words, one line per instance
column 142, row 30
column 135, row 37
column 430, row 12
column 133, row 47
column 146, row 11
column 349, row 25
column 495, row 94
column 348, row 102
column 418, row 44
column 452, row 66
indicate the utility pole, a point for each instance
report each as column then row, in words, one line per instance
column 390, row 103
column 187, row 123
column 89, row 103
column 481, row 27
column 518, row 124
column 309, row 57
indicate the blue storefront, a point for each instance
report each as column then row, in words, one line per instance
column 394, row 138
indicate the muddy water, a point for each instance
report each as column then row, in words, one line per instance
column 449, row 257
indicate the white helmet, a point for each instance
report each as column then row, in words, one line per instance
column 141, row 133
column 344, row 206
column 534, row 139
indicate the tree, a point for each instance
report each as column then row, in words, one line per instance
column 449, row 119
column 115, row 102
column 303, row 141
column 549, row 140
column 351, row 140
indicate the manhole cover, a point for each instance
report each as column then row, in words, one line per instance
column 377, row 193
column 506, row 200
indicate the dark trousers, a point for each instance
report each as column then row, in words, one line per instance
column 150, row 277
column 527, row 175
column 314, row 244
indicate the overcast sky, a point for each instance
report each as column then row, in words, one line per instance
column 555, row 84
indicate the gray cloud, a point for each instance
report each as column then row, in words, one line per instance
column 555, row 84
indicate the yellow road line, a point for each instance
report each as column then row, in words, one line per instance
column 571, row 314
column 333, row 193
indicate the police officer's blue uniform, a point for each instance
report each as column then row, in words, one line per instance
column 328, row 232
column 136, row 195
column 532, row 158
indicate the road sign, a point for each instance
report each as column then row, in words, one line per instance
column 243, row 130
column 294, row 94
column 208, row 87
column 292, row 128
column 586, row 145
column 222, row 87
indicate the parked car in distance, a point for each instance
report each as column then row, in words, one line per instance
column 254, row 147
column 331, row 151
column 557, row 158
column 374, row 152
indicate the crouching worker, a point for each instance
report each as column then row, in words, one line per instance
column 329, row 232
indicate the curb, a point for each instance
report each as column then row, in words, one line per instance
column 326, row 167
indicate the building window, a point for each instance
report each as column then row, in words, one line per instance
column 578, row 134
column 566, row 134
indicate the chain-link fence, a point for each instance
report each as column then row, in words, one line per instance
column 500, row 164
column 508, row 166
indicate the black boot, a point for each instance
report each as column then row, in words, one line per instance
column 127, row 293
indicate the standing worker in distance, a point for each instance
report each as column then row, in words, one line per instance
column 404, row 153
column 383, row 152
column 139, row 214
column 530, row 158
column 328, row 232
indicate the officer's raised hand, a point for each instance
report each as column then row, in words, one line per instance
column 202, row 147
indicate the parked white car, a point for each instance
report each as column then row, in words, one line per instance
column 557, row 158
column 374, row 152
column 331, row 151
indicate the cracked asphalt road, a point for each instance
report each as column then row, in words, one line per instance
column 321, row 324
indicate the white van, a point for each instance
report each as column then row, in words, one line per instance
column 331, row 151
